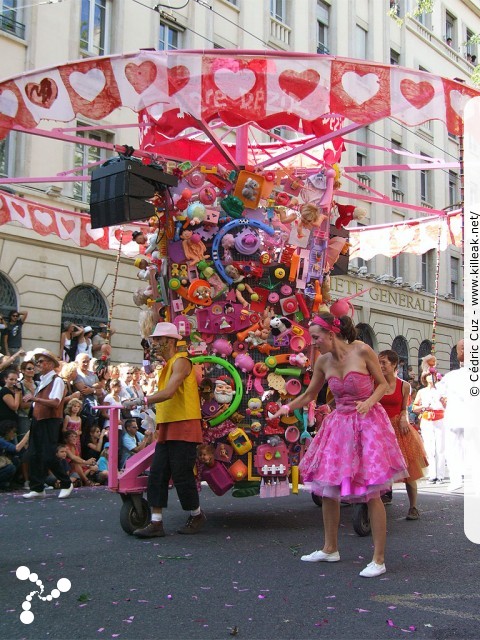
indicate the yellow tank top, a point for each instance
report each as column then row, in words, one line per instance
column 185, row 404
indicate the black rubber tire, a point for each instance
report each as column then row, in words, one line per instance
column 317, row 499
column 360, row 520
column 129, row 518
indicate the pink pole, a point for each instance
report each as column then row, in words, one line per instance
column 241, row 150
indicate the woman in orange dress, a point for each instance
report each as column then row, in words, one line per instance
column 395, row 403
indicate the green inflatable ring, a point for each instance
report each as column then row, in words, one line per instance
column 238, row 386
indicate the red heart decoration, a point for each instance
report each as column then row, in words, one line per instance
column 178, row 77
column 141, row 76
column 298, row 84
column 43, row 94
column 69, row 225
column 417, row 93
column 18, row 209
column 127, row 235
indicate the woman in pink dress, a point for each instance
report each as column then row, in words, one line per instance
column 355, row 455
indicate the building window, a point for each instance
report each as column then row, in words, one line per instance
column 425, row 18
column 450, row 29
column 454, row 276
column 425, row 349
column 11, row 18
column 8, row 297
column 95, row 26
column 170, row 38
column 425, row 186
column 428, row 270
column 4, row 149
column 322, row 27
column 471, row 47
column 365, row 334
column 360, row 43
column 454, row 363
column 394, row 57
column 84, row 305
column 452, row 188
column 400, row 346
column 278, row 10
column 84, row 156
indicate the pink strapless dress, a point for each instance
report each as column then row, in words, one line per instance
column 353, row 457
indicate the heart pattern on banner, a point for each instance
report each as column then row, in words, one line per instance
column 141, row 76
column 299, row 85
column 95, row 234
column 43, row 217
column 88, row 85
column 458, row 100
column 360, row 88
column 43, row 93
column 235, row 84
column 178, row 77
column 8, row 103
column 417, row 93
column 68, row 225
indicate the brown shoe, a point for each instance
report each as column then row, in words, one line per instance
column 152, row 530
column 193, row 524
column 413, row 514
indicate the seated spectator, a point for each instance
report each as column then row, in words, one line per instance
column 85, row 468
column 85, row 342
column 72, row 420
column 102, row 464
column 10, row 397
column 9, row 452
column 132, row 441
column 95, row 442
column 69, row 341
column 12, row 334
column 61, row 454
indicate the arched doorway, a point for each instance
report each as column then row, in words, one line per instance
column 365, row 334
column 8, row 297
column 400, row 346
column 423, row 350
column 84, row 305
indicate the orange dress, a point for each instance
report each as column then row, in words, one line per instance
column 410, row 443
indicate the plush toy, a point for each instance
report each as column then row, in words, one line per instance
column 347, row 213
column 279, row 325
column 250, row 189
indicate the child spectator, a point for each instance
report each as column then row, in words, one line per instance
column 72, row 420
column 9, row 458
column 102, row 464
column 112, row 398
column 62, row 453
column 84, row 468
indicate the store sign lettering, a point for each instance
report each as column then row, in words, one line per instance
column 378, row 294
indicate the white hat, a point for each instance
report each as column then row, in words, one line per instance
column 167, row 330
column 87, row 329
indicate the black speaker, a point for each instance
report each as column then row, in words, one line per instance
column 120, row 189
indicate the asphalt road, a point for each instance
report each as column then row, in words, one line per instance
column 241, row 576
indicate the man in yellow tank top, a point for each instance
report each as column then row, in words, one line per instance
column 179, row 430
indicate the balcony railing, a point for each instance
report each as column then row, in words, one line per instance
column 321, row 48
column 279, row 31
column 11, row 26
column 364, row 179
column 397, row 195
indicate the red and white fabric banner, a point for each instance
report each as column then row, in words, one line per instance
column 67, row 225
column 180, row 89
column 412, row 236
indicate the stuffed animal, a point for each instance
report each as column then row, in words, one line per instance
column 279, row 325
column 347, row 213
column 250, row 189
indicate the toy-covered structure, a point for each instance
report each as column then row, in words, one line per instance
column 243, row 235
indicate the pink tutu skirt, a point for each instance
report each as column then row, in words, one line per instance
column 353, row 457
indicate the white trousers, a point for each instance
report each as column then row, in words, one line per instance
column 433, row 434
column 455, row 455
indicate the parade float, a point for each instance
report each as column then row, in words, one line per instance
column 239, row 237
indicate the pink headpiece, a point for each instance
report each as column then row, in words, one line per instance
column 335, row 326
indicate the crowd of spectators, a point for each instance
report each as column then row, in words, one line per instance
column 89, row 382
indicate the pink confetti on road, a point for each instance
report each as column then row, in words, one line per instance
column 363, row 610
column 261, row 597
column 326, row 597
column 101, row 629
